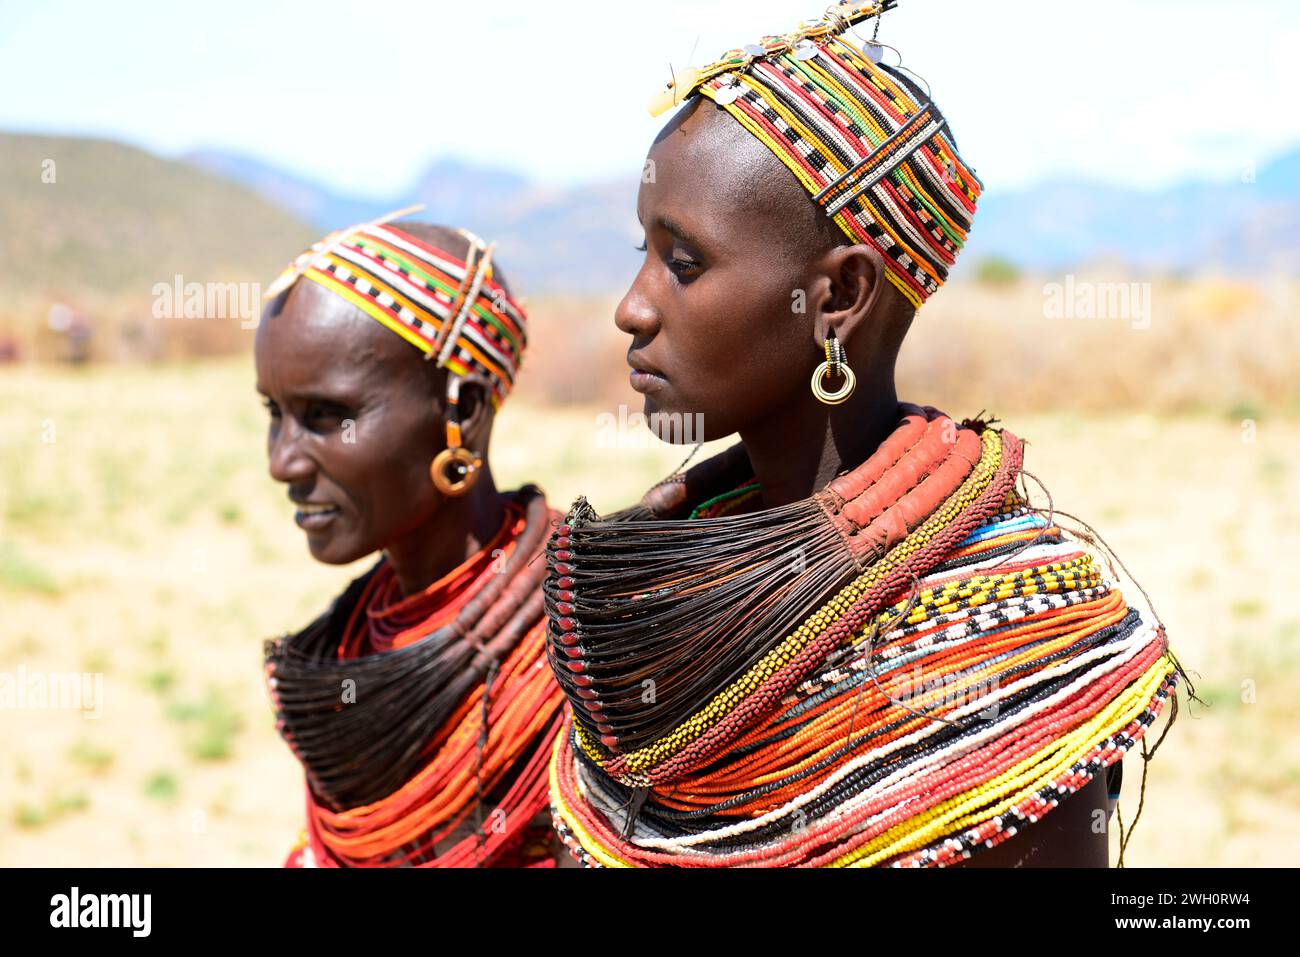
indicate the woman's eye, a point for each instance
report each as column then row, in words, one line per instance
column 683, row 268
column 326, row 415
column 642, row 248
column 271, row 408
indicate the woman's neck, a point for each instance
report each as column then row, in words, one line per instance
column 795, row 453
column 458, row 529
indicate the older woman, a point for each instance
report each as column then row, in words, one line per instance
column 419, row 703
column 850, row 640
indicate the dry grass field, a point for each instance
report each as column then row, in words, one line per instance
column 141, row 539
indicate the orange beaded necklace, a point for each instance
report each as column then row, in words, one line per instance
column 439, row 758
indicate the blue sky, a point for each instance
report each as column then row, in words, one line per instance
column 362, row 96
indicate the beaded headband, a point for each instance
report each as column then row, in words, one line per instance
column 872, row 152
column 449, row 309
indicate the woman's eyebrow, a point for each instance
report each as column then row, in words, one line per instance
column 348, row 399
column 675, row 228
column 323, row 398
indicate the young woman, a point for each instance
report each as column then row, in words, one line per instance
column 419, row 704
column 848, row 641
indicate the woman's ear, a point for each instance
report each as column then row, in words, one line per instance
column 476, row 412
column 856, row 282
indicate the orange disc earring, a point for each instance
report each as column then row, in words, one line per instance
column 455, row 469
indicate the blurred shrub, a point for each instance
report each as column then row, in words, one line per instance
column 995, row 271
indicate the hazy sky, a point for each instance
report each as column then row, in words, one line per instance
column 361, row 96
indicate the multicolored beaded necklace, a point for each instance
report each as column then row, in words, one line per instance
column 904, row 669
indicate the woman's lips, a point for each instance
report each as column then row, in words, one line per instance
column 313, row 518
column 645, row 382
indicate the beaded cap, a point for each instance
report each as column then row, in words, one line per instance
column 869, row 146
column 448, row 308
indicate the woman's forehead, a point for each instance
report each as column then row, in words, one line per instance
column 711, row 174
column 318, row 338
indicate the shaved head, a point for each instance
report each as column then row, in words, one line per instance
column 757, row 184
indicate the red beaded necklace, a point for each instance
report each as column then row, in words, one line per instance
column 395, row 621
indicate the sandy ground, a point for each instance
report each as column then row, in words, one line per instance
column 141, row 540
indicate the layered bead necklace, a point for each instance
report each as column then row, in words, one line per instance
column 412, row 714
column 941, row 666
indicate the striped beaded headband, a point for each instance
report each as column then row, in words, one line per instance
column 868, row 147
column 451, row 310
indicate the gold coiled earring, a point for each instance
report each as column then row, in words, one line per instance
column 836, row 364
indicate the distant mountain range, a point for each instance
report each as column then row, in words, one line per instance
column 550, row 240
column 1247, row 226
column 92, row 221
column 116, row 219
column 580, row 240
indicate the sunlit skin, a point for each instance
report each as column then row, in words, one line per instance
column 355, row 419
column 733, row 248
column 730, row 238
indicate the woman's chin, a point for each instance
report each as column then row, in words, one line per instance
column 334, row 550
column 673, row 425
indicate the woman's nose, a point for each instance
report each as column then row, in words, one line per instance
column 287, row 461
column 635, row 314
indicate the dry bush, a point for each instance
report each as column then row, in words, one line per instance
column 1207, row 344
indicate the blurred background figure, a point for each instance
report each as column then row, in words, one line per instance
column 74, row 330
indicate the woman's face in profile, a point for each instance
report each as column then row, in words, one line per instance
column 354, row 423
column 715, row 310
